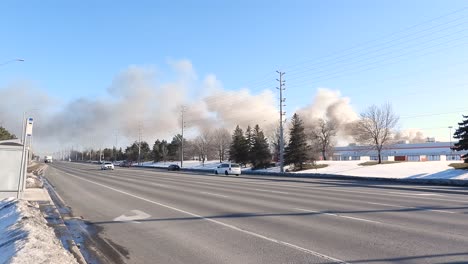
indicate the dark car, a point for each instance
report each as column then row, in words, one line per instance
column 173, row 167
column 125, row 163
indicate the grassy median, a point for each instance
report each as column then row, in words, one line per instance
column 460, row 166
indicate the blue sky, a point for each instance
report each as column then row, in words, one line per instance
column 410, row 53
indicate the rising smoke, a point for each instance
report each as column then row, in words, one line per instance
column 143, row 99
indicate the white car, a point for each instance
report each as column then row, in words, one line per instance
column 228, row 168
column 107, row 166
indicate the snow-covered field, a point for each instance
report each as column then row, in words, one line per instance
column 25, row 237
column 189, row 164
column 408, row 170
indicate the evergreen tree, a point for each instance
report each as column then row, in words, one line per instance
column 156, row 151
column 120, row 155
column 107, row 154
column 239, row 149
column 297, row 150
column 132, row 151
column 5, row 134
column 173, row 148
column 249, row 136
column 163, row 150
column 462, row 135
column 260, row 155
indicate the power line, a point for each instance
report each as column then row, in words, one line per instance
column 363, row 44
column 337, row 74
column 417, row 45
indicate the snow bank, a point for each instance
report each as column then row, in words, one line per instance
column 25, row 237
column 188, row 164
column 403, row 170
column 32, row 181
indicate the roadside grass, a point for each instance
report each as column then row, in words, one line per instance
column 459, row 166
column 371, row 163
column 310, row 166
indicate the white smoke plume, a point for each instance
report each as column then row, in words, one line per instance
column 146, row 100
column 330, row 105
column 411, row 135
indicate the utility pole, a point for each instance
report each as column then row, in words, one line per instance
column 182, row 139
column 139, row 142
column 450, row 137
column 281, row 104
column 114, row 153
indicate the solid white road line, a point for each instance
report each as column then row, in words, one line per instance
column 411, row 207
column 263, row 190
column 215, row 194
column 421, row 194
column 280, row 242
column 337, row 215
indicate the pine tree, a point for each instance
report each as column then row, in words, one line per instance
column 163, row 150
column 156, row 151
column 462, row 135
column 260, row 155
column 297, row 150
column 5, row 134
column 239, row 149
column 249, row 137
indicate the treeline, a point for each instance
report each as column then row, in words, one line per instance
column 249, row 147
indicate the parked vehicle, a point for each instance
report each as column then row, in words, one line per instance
column 107, row 166
column 48, row 159
column 228, row 168
column 125, row 163
column 173, row 167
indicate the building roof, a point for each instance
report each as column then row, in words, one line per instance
column 11, row 142
column 429, row 148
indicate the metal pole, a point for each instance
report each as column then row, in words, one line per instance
column 23, row 162
column 450, row 138
column 182, row 140
column 281, row 83
column 139, row 143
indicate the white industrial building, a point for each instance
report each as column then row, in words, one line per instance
column 429, row 151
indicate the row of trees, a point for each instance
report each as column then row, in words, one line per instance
column 5, row 134
column 374, row 128
column 304, row 144
column 250, row 148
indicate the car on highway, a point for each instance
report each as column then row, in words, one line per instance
column 125, row 163
column 173, row 167
column 107, row 166
column 228, row 168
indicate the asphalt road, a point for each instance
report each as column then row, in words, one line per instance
column 170, row 217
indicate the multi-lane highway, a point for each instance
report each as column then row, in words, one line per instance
column 168, row 217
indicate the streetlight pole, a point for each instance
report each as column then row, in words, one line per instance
column 450, row 138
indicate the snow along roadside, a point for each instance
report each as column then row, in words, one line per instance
column 25, row 237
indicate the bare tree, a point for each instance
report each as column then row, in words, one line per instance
column 375, row 127
column 203, row 144
column 222, row 141
column 322, row 134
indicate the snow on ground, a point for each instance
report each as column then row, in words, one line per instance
column 25, row 237
column 190, row 164
column 408, row 170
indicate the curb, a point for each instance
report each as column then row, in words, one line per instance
column 55, row 220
